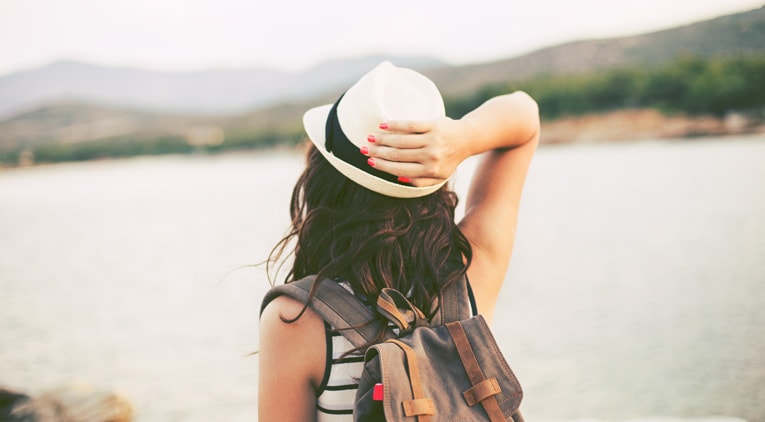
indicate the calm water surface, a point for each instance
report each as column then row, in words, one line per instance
column 635, row 291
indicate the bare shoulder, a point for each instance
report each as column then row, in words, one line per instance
column 285, row 307
column 277, row 328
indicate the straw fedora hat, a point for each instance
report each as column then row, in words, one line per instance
column 384, row 94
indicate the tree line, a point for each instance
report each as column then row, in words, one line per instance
column 692, row 85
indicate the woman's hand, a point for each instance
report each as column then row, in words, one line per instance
column 421, row 153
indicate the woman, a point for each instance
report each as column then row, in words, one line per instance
column 372, row 210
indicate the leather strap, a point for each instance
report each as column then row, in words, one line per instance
column 481, row 391
column 473, row 369
column 421, row 407
column 393, row 305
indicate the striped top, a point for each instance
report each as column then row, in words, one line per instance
column 341, row 380
column 337, row 392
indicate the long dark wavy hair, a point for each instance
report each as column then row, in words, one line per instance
column 342, row 231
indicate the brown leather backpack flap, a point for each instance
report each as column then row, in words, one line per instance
column 443, row 386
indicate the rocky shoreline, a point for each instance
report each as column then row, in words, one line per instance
column 641, row 124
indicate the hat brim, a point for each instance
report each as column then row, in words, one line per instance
column 314, row 122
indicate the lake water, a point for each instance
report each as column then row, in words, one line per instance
column 636, row 291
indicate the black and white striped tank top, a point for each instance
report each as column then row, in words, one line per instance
column 337, row 392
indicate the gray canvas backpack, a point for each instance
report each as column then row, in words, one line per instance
column 446, row 369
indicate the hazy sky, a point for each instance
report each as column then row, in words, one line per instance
column 291, row 34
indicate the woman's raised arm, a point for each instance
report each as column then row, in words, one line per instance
column 506, row 128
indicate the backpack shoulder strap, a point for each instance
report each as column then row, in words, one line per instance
column 454, row 303
column 336, row 305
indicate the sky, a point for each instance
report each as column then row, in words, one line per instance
column 193, row 35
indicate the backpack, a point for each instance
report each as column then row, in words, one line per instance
column 446, row 369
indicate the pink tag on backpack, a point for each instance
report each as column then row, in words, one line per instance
column 377, row 392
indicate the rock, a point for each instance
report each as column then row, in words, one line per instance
column 8, row 401
column 76, row 403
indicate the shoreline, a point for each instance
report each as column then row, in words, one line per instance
column 624, row 125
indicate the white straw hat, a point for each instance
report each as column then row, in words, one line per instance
column 384, row 94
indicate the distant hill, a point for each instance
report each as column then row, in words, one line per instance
column 741, row 34
column 208, row 92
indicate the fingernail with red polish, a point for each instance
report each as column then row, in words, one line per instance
column 371, row 138
column 383, row 125
column 371, row 162
column 364, row 150
column 403, row 179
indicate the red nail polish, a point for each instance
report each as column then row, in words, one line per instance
column 383, row 125
column 403, row 179
column 364, row 150
column 371, row 138
column 371, row 162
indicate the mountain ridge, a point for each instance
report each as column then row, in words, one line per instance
column 231, row 91
column 205, row 92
